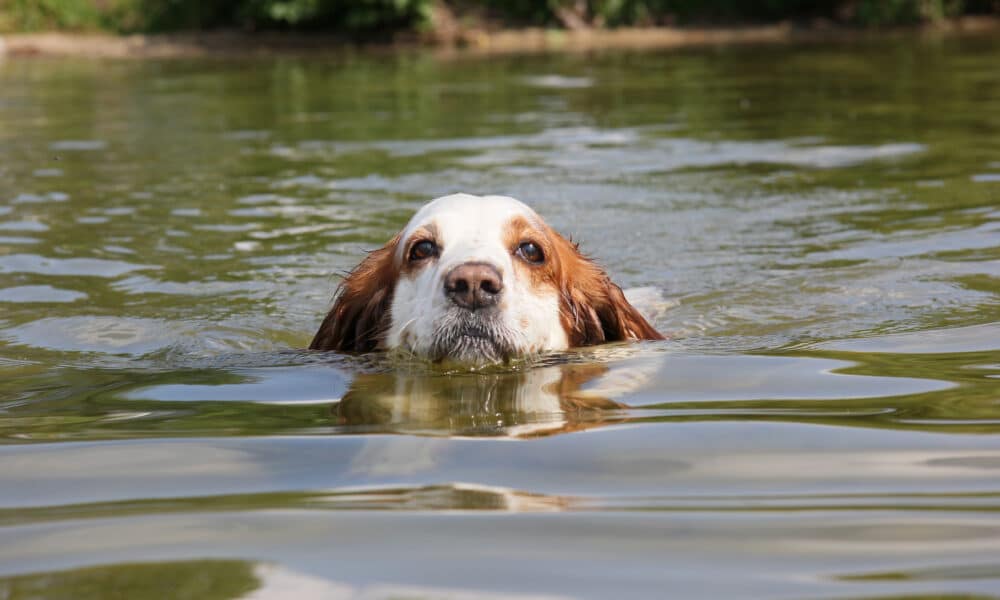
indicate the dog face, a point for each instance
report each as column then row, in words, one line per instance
column 475, row 284
column 475, row 280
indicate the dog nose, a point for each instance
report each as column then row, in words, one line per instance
column 473, row 285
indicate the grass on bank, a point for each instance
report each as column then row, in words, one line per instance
column 369, row 18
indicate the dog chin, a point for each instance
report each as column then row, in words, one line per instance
column 472, row 340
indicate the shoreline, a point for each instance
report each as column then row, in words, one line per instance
column 229, row 44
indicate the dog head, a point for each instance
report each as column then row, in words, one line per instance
column 477, row 280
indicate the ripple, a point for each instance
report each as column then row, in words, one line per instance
column 119, row 211
column 78, row 145
column 246, row 246
column 247, row 134
column 258, row 212
column 39, row 293
column 262, row 199
column 23, row 226
column 140, row 284
column 6, row 239
column 40, row 198
column 305, row 181
column 109, row 335
column 225, row 228
column 983, row 236
column 92, row 220
column 974, row 338
column 294, row 231
column 276, row 385
column 558, row 82
column 695, row 378
column 92, row 267
column 632, row 150
column 186, row 212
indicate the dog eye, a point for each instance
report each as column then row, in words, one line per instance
column 530, row 252
column 422, row 250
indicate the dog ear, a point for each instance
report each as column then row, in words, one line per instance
column 359, row 318
column 593, row 309
column 621, row 320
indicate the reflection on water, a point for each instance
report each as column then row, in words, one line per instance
column 221, row 580
column 536, row 401
column 815, row 227
column 211, row 580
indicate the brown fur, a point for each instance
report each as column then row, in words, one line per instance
column 361, row 309
column 593, row 310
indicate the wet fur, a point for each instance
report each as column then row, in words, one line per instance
column 361, row 309
column 592, row 309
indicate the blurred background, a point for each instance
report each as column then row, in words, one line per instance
column 365, row 18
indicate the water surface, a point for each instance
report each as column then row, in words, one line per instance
column 817, row 228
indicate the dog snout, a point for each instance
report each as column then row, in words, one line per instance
column 474, row 285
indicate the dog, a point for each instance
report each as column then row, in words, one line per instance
column 478, row 280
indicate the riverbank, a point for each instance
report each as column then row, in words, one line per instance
column 473, row 41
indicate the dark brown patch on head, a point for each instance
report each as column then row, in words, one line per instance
column 360, row 316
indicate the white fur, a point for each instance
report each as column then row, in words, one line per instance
column 471, row 229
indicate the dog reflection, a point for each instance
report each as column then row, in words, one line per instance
column 531, row 403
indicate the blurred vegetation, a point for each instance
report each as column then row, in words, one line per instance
column 362, row 16
column 664, row 12
column 380, row 17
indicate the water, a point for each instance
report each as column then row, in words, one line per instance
column 817, row 228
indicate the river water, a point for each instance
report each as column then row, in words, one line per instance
column 817, row 229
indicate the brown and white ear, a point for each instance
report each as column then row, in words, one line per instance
column 594, row 309
column 622, row 321
column 359, row 318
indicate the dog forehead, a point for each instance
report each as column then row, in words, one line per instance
column 466, row 217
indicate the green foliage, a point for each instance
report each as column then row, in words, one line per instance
column 888, row 12
column 350, row 16
column 32, row 15
column 342, row 15
column 631, row 12
column 657, row 12
column 168, row 15
column 373, row 17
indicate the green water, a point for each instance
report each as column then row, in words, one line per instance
column 817, row 228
